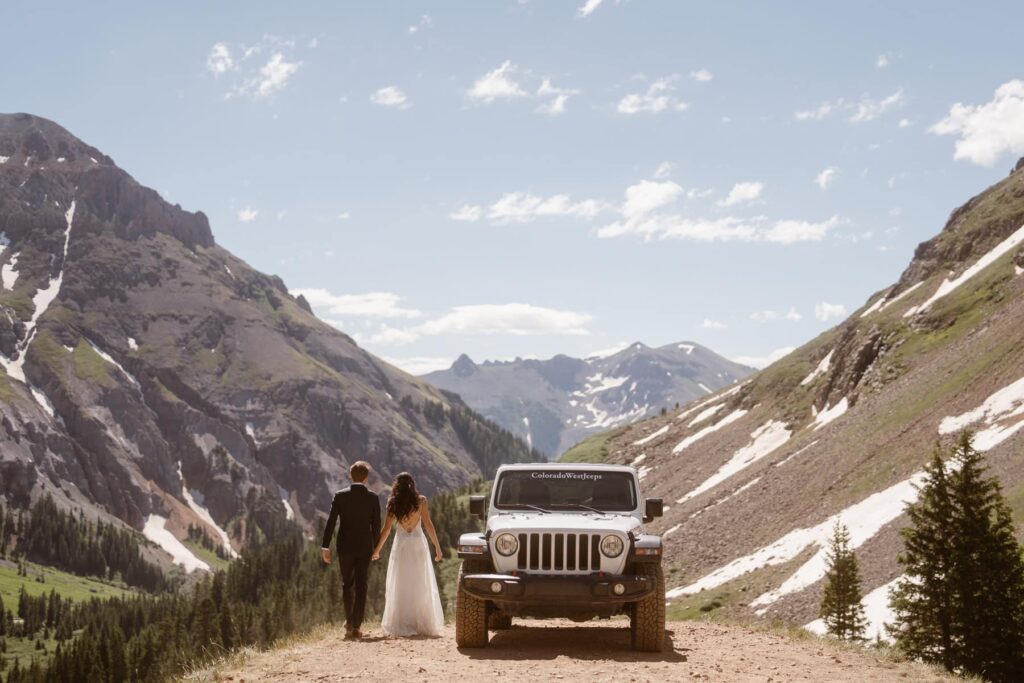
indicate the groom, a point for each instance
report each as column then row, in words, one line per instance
column 356, row 510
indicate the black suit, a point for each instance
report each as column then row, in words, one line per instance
column 356, row 510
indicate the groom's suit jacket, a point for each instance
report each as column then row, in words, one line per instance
column 356, row 511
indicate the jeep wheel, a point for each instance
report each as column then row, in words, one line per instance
column 499, row 621
column 470, row 613
column 647, row 619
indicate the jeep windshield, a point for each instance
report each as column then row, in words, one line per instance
column 574, row 490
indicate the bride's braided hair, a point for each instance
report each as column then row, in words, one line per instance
column 404, row 499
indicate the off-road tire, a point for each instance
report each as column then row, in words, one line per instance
column 499, row 621
column 470, row 613
column 647, row 618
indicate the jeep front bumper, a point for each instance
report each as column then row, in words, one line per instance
column 575, row 590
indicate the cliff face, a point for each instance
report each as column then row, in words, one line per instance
column 148, row 371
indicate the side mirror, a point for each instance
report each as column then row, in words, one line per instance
column 477, row 506
column 653, row 507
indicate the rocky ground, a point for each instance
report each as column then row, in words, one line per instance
column 563, row 650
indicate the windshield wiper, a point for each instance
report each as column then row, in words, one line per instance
column 580, row 506
column 519, row 506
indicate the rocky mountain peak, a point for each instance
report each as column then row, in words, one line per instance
column 463, row 366
column 44, row 164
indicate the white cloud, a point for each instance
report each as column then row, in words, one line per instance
column 764, row 361
column 389, row 336
column 987, row 131
column 468, row 213
column 826, row 177
column 220, row 61
column 390, row 96
column 648, row 196
column 424, row 22
column 905, row 123
column 657, row 98
column 816, row 114
column 497, row 84
column 369, row 305
column 742, row 192
column 869, row 109
column 710, row 324
column 588, row 7
column 882, row 61
column 520, row 207
column 770, row 316
column 511, row 319
column 343, row 216
column 826, row 311
column 791, row 231
column 701, row 75
column 420, row 365
column 559, row 98
column 247, row 215
column 664, row 170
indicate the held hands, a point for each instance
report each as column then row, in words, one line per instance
column 437, row 555
column 325, row 553
column 375, row 556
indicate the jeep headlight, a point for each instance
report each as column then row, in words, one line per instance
column 506, row 544
column 612, row 546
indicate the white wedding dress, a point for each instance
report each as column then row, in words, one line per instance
column 412, row 605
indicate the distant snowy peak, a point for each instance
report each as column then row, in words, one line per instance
column 555, row 403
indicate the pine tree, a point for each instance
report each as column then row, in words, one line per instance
column 923, row 603
column 987, row 572
column 962, row 603
column 841, row 607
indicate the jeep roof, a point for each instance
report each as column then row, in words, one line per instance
column 566, row 466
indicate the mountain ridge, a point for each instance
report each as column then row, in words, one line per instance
column 557, row 402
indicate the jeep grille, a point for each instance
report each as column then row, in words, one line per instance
column 560, row 552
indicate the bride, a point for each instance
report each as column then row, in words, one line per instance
column 412, row 605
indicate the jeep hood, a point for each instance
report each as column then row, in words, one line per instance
column 559, row 521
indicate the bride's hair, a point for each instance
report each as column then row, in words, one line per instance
column 404, row 499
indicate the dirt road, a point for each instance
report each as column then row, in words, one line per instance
column 556, row 650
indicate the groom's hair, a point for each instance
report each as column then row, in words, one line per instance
column 359, row 471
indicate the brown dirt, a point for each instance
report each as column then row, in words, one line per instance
column 563, row 650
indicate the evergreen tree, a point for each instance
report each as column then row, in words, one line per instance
column 962, row 604
column 841, row 608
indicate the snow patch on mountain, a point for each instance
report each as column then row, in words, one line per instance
column 687, row 347
column 705, row 414
column 107, row 357
column 829, row 414
column 764, row 440
column 651, row 437
column 9, row 272
column 997, row 412
column 694, row 438
column 822, row 368
column 289, row 513
column 988, row 259
column 155, row 530
column 132, row 344
column 197, row 507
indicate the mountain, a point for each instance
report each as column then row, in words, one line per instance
column 151, row 376
column 555, row 403
column 755, row 475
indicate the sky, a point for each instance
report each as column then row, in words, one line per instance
column 531, row 177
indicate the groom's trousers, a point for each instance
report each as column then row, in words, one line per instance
column 354, row 572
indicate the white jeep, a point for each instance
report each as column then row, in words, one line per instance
column 562, row 540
